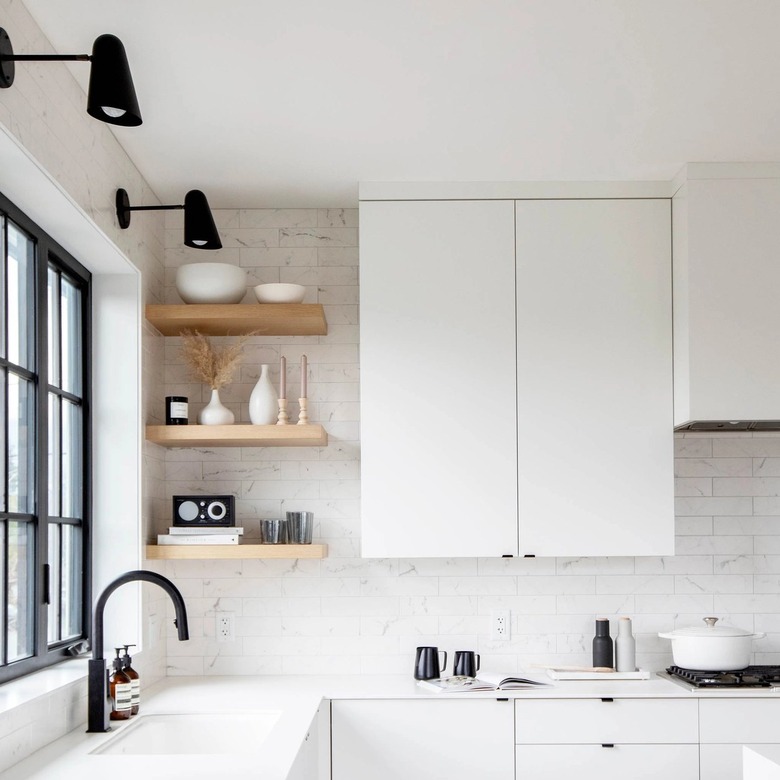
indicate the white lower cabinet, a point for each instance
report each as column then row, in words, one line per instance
column 595, row 762
column 313, row 759
column 725, row 725
column 422, row 739
column 602, row 739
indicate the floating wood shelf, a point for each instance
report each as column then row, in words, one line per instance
column 238, row 319
column 237, row 435
column 191, row 552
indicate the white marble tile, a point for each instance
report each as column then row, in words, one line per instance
column 277, row 218
column 713, row 583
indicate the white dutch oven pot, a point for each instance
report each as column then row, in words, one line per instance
column 712, row 648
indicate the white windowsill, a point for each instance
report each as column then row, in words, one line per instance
column 15, row 693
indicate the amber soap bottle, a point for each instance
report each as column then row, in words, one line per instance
column 135, row 681
column 120, row 689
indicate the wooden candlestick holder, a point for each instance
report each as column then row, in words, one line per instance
column 283, row 418
column 303, row 415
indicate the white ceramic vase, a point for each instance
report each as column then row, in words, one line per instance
column 263, row 403
column 214, row 413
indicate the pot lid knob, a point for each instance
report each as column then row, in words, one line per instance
column 710, row 621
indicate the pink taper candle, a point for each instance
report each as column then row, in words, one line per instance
column 303, row 376
column 283, row 378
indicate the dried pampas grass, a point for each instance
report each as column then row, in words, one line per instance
column 213, row 365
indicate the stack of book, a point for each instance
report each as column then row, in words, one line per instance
column 201, row 535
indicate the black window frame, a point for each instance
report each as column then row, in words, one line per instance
column 49, row 253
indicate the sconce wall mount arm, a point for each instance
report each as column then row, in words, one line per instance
column 111, row 97
column 200, row 232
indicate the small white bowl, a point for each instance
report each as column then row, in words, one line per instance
column 211, row 283
column 280, row 293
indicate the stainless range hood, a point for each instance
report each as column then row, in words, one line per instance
column 724, row 426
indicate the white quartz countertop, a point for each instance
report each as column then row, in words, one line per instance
column 297, row 699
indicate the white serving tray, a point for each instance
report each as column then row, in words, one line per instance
column 558, row 674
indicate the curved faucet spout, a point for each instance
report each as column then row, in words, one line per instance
column 97, row 683
column 139, row 575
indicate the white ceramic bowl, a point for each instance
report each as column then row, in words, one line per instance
column 211, row 283
column 280, row 293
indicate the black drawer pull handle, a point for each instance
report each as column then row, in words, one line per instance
column 608, row 744
column 607, row 699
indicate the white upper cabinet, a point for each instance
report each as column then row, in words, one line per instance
column 726, row 280
column 516, row 353
column 594, row 377
column 437, row 355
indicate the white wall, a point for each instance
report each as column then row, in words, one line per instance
column 344, row 614
column 45, row 112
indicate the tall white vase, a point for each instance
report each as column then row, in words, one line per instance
column 214, row 413
column 263, row 404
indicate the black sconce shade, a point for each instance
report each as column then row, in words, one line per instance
column 200, row 232
column 111, row 97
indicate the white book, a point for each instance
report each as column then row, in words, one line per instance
column 485, row 682
column 194, row 539
column 183, row 530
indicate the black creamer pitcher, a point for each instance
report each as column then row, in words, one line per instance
column 426, row 663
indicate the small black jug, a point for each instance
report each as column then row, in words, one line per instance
column 426, row 663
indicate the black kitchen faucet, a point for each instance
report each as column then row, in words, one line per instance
column 98, row 704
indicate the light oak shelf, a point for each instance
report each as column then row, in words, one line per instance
column 237, row 435
column 238, row 319
column 168, row 552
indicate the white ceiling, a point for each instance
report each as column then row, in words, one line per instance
column 292, row 103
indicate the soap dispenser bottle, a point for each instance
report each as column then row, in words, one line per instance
column 135, row 681
column 120, row 690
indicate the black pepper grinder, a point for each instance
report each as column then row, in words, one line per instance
column 602, row 645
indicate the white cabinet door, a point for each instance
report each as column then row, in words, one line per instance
column 739, row 721
column 594, row 377
column 594, row 762
column 437, row 355
column 576, row 721
column 423, row 740
column 726, row 317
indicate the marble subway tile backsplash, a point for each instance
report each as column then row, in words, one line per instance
column 346, row 614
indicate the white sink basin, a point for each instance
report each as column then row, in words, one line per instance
column 192, row 733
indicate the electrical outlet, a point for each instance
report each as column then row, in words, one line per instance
column 225, row 626
column 499, row 624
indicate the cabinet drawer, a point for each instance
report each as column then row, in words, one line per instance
column 722, row 762
column 422, row 739
column 579, row 721
column 593, row 762
column 739, row 721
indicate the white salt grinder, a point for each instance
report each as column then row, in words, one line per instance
column 625, row 647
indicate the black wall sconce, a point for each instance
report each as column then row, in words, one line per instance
column 111, row 95
column 200, row 232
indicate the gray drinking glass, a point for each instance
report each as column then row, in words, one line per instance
column 273, row 531
column 299, row 527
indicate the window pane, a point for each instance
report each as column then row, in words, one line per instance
column 53, row 319
column 72, row 469
column 54, row 455
column 21, row 557
column 21, row 333
column 71, row 581
column 3, row 494
column 71, row 337
column 21, row 444
column 54, row 579
column 3, row 529
column 2, row 289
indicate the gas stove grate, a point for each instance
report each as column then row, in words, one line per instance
column 750, row 677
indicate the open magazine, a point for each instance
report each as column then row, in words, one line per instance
column 486, row 681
